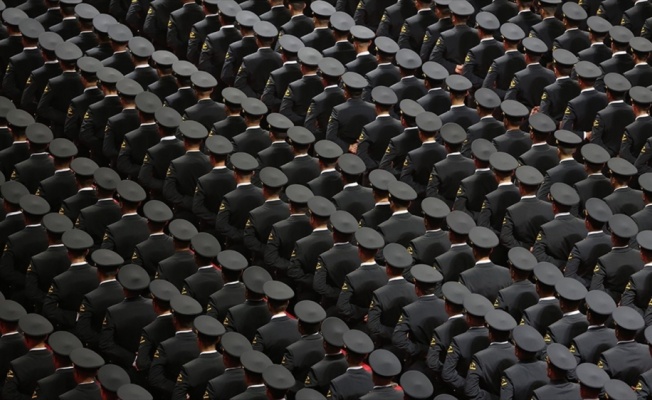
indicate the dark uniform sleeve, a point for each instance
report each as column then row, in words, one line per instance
column 432, row 189
column 404, row 37
column 87, row 134
column 194, row 46
column 347, row 309
column 507, row 233
column 484, row 219
column 387, row 162
column 438, row 55
column 642, row 163
column 648, row 314
column 470, row 64
column 642, row 389
column 174, row 39
column 156, row 376
column 8, row 274
column 250, row 237
column 360, row 14
column 125, row 163
column 29, row 98
column 545, row 104
column 10, row 389
column 297, row 270
column 407, row 176
column 540, row 250
column 449, row 372
column 490, row 80
column 287, row 107
column 401, row 337
column 242, row 81
column 84, row 327
column 364, row 144
column 34, row 294
column 146, row 176
column 182, row 386
column 332, row 130
column 599, row 274
column 229, row 71
column 461, row 199
column 9, row 84
column 384, row 26
column 597, row 131
column 312, row 122
column 506, row 389
column 46, row 109
column 114, row 352
column 108, row 144
column 52, row 312
column 206, row 59
column 472, row 388
column 224, row 227
column 144, row 355
column 273, row 258
column 72, row 125
column 199, row 206
column 573, row 264
column 269, row 95
column 435, row 351
column 320, row 282
column 514, row 88
column 626, row 148
column 171, row 193
column 629, row 296
column 133, row 18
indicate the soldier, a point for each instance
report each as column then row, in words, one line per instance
column 85, row 38
column 17, row 121
column 184, row 172
column 60, row 89
column 61, row 343
column 341, row 49
column 418, row 319
column 473, row 189
column 157, row 158
column 333, row 265
column 573, row 39
column 174, row 352
column 402, row 226
column 489, row 364
column 248, row 316
column 523, row 219
column 303, row 168
column 280, row 78
column 321, row 106
column 236, row 205
column 596, row 184
column 414, row 28
column 281, row 331
column 597, row 52
column 256, row 68
column 13, row 43
column 379, row 181
column 549, row 28
column 437, row 99
column 181, row 264
column 357, row 290
column 232, row 381
column 619, row 61
column 393, row 17
column 215, row 47
column 130, row 389
column 624, row 199
column 300, row 93
column 207, row 280
column 459, row 257
column 614, row 117
column 166, row 83
column 334, row 363
column 120, row 60
column 260, row 220
column 158, row 330
column 556, row 95
column 329, row 182
column 22, row 245
column 419, row 163
column 384, row 366
column 353, row 197
column 240, row 48
column 6, row 105
column 572, row 323
column 521, row 294
column 299, row 24
column 254, row 363
column 613, row 270
column 94, row 304
column 568, row 171
column 85, row 363
column 432, row 32
column 210, row 23
column 136, row 142
column 528, row 374
column 278, row 14
column 588, row 346
column 448, row 50
column 62, row 183
column 635, row 133
column 560, row 362
column 459, row 87
column 355, row 381
column 585, row 253
column 278, row 381
column 640, row 75
column 20, row 65
column 141, row 51
column 321, row 37
column 488, row 128
column 39, row 164
column 183, row 96
column 481, row 56
column 435, row 242
column 364, row 62
column 581, row 111
column 179, row 26
column 232, row 293
column 502, row 70
column 37, row 363
column 408, row 140
column 635, row 294
column 388, row 301
column 347, row 120
column 465, row 345
column 43, row 267
column 12, row 341
column 546, row 311
column 476, row 278
column 101, row 25
column 112, row 378
column 506, row 194
column 91, row 132
column 14, row 220
column 409, row 87
column 627, row 322
column 448, row 173
column 254, row 138
column 643, row 385
column 50, row 16
column 522, row 87
column 123, row 236
column 279, row 151
column 123, row 323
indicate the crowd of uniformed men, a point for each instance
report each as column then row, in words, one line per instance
column 341, row 199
